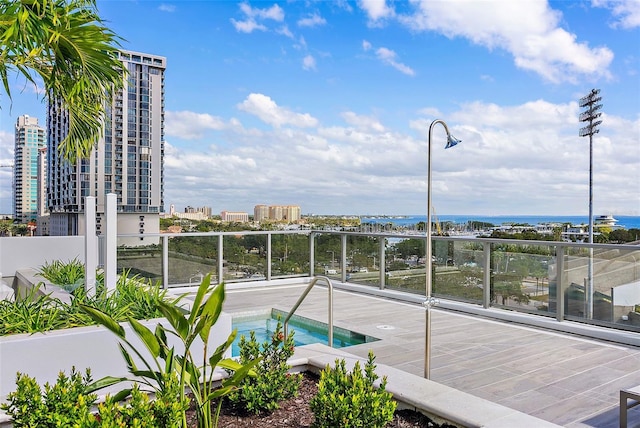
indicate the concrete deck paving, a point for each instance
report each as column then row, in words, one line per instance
column 565, row 379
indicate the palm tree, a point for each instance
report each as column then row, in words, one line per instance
column 66, row 45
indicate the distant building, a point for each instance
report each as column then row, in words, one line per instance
column 284, row 213
column 260, row 212
column 128, row 160
column 195, row 216
column 204, row 210
column 238, row 217
column 30, row 138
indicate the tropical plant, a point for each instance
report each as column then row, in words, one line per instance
column 66, row 45
column 350, row 399
column 273, row 383
column 165, row 360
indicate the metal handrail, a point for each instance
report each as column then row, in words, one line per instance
column 304, row 295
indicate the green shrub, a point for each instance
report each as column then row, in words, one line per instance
column 60, row 405
column 350, row 399
column 140, row 412
column 272, row 383
column 65, row 404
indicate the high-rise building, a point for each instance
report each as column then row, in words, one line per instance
column 29, row 139
column 288, row 213
column 127, row 161
column 260, row 212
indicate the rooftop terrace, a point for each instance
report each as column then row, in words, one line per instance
column 562, row 378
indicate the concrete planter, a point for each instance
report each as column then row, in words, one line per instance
column 44, row 355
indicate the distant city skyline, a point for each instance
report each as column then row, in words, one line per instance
column 327, row 104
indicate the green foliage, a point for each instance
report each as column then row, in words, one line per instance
column 37, row 312
column 64, row 43
column 272, row 383
column 63, row 404
column 140, row 412
column 69, row 274
column 66, row 404
column 34, row 312
column 156, row 371
column 350, row 399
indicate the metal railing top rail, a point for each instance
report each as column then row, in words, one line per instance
column 479, row 240
column 301, row 299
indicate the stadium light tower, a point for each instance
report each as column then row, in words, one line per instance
column 591, row 114
column 430, row 301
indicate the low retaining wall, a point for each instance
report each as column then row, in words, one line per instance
column 44, row 355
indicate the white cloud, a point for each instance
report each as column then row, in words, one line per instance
column 188, row 125
column 388, row 56
column 313, row 20
column 528, row 30
column 247, row 26
column 309, row 63
column 167, row 7
column 284, row 30
column 366, row 45
column 252, row 15
column 626, row 12
column 269, row 112
column 376, row 10
column 274, row 13
column 513, row 159
column 363, row 122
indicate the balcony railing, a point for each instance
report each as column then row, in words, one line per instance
column 545, row 278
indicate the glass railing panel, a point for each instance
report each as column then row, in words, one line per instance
column 245, row 257
column 191, row 258
column 406, row 264
column 457, row 270
column 327, row 251
column 615, row 287
column 144, row 261
column 289, row 255
column 622, row 273
column 363, row 260
column 520, row 275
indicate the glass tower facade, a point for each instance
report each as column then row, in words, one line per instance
column 128, row 160
column 29, row 140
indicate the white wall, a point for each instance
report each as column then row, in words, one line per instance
column 34, row 251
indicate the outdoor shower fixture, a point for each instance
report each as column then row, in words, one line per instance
column 430, row 301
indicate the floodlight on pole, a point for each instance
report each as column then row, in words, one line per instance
column 430, row 301
column 590, row 114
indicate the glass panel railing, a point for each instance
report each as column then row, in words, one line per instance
column 245, row 257
column 327, row 251
column 614, row 288
column 191, row 258
column 289, row 255
column 142, row 261
column 406, row 265
column 623, row 273
column 458, row 270
column 520, row 276
column 363, row 260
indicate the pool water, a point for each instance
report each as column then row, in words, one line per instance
column 307, row 331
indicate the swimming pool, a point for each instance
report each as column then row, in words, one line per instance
column 307, row 331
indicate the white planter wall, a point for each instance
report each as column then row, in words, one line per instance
column 34, row 251
column 44, row 355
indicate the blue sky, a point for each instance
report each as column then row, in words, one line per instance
column 327, row 105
